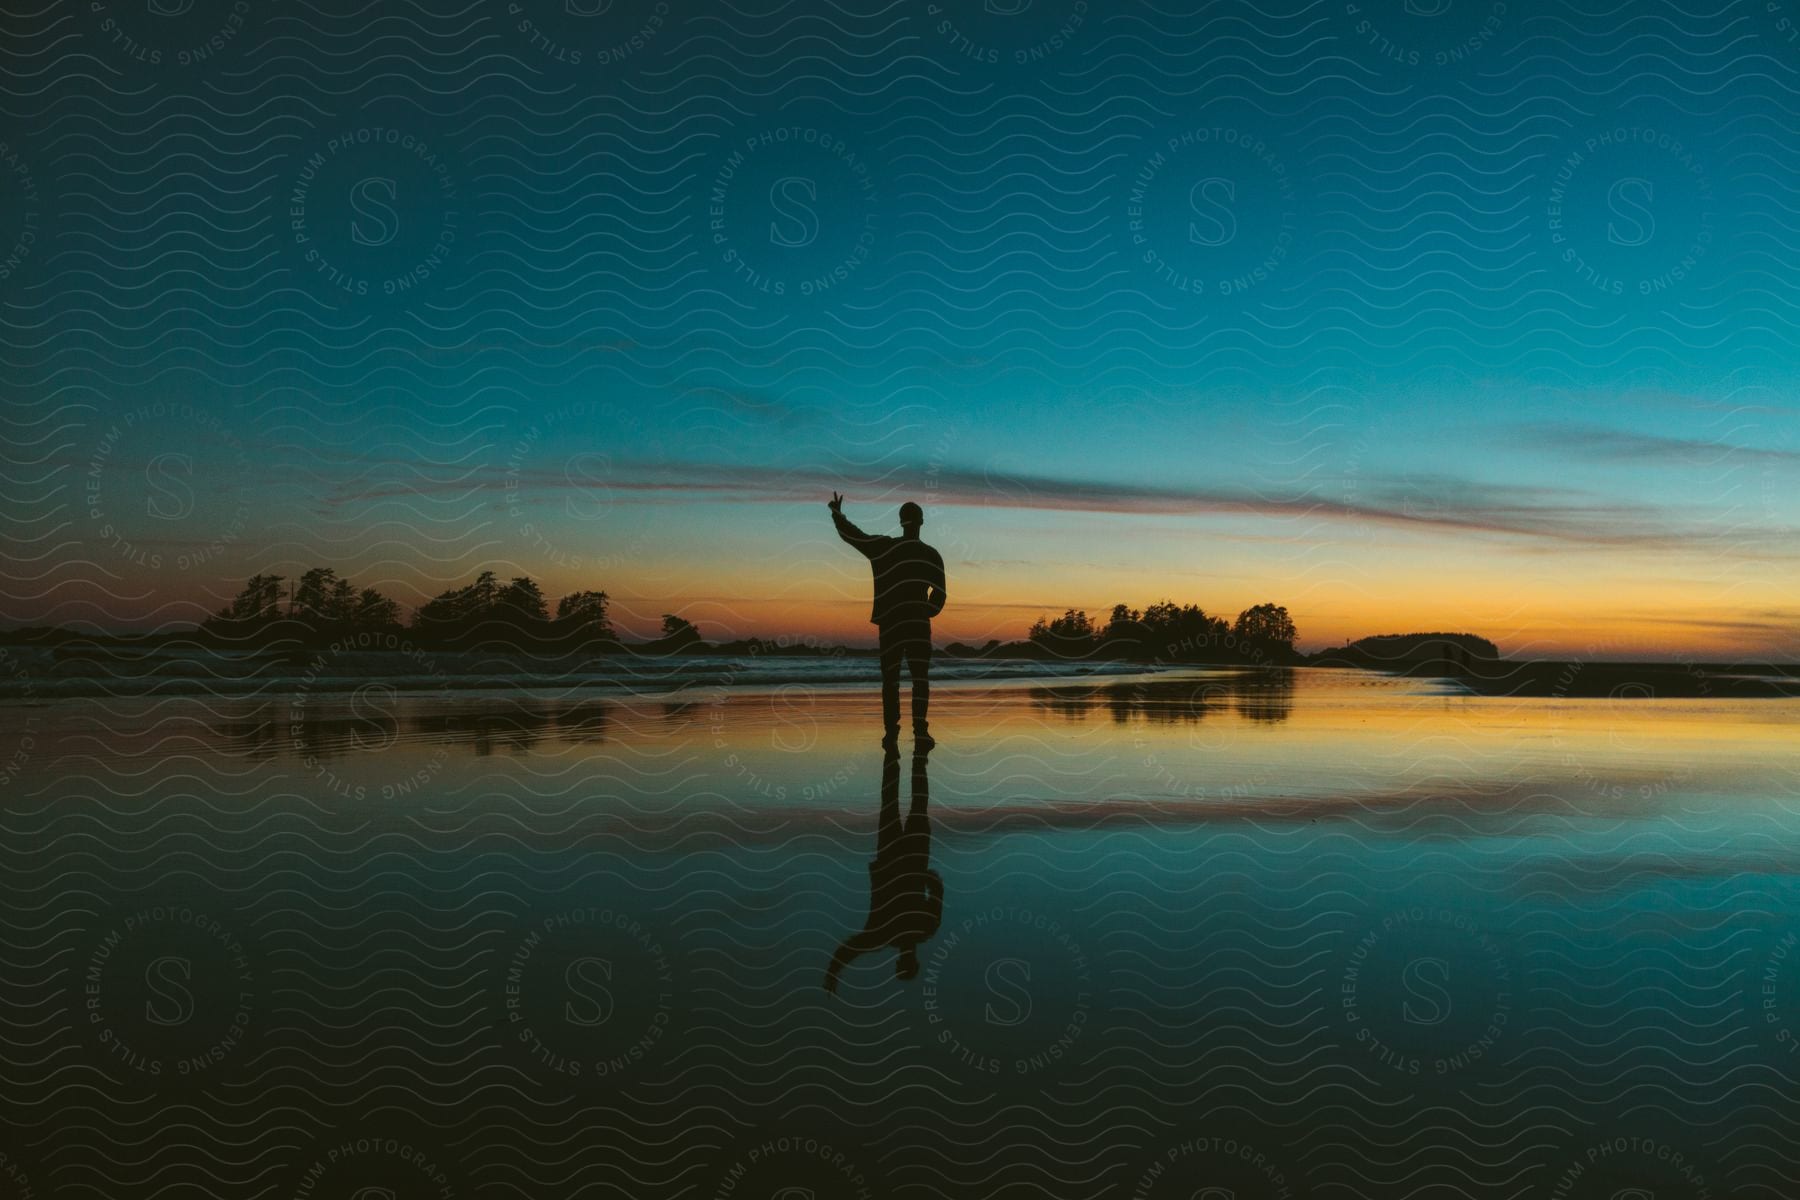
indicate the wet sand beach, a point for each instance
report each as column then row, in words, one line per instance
column 1284, row 933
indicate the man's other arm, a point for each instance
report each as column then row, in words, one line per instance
column 934, row 901
column 939, row 594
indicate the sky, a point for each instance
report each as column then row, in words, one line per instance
column 1413, row 315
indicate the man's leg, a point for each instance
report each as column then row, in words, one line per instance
column 887, row 826
column 918, row 665
column 918, row 816
column 892, row 650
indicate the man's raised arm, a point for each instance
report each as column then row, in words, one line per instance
column 864, row 542
column 860, row 942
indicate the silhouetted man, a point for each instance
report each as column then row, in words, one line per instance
column 909, row 591
column 906, row 897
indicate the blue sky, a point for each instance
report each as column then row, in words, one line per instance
column 1460, row 316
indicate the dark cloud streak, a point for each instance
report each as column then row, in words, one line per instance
column 1418, row 503
column 1591, row 442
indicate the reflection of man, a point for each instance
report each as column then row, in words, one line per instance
column 906, row 897
column 909, row 591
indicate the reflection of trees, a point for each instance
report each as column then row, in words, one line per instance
column 261, row 734
column 1073, row 703
column 328, row 727
column 276, row 727
column 1265, row 695
column 485, row 731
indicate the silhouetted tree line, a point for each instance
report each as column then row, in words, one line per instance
column 1170, row 632
column 323, row 605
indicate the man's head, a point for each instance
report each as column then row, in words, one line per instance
column 911, row 517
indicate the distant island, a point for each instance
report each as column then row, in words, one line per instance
column 275, row 621
column 1412, row 653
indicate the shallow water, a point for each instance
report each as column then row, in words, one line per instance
column 1310, row 934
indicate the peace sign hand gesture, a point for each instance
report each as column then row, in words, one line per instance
column 837, row 503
